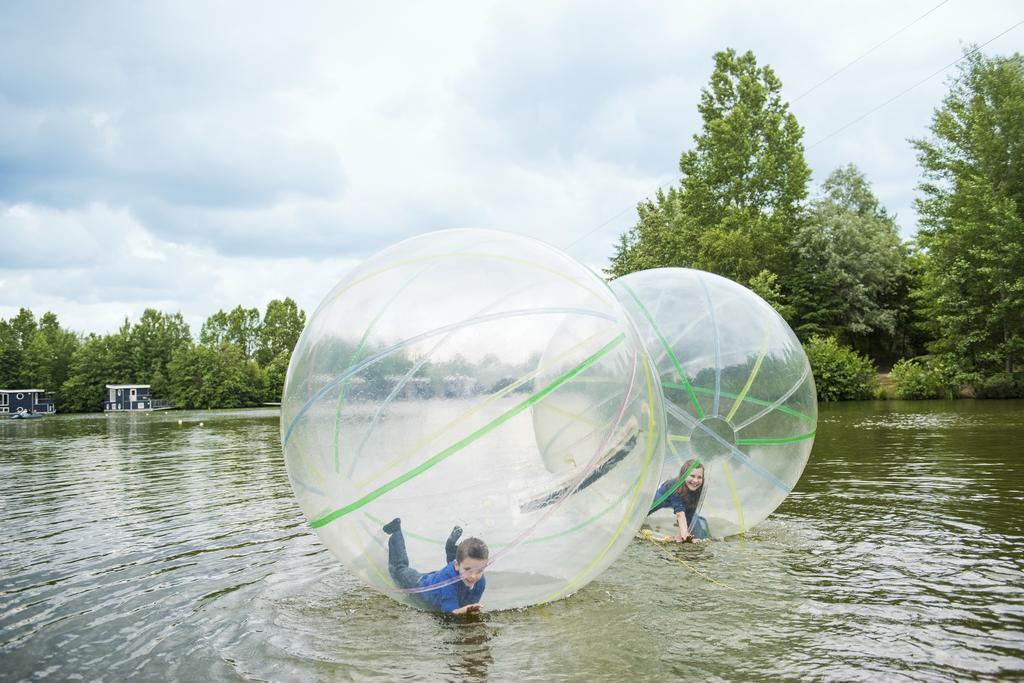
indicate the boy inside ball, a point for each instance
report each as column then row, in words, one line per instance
column 466, row 561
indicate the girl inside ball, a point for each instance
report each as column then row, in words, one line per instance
column 683, row 496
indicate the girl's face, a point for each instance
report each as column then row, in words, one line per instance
column 695, row 480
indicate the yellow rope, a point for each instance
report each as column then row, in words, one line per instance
column 660, row 541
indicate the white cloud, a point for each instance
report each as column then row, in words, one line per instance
column 44, row 238
column 111, row 267
column 217, row 155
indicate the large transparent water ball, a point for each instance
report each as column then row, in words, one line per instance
column 739, row 392
column 478, row 379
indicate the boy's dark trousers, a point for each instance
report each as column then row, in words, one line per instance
column 398, row 562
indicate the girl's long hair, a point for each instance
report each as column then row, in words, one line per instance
column 690, row 498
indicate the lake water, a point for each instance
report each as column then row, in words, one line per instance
column 137, row 547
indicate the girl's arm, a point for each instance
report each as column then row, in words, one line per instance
column 683, row 533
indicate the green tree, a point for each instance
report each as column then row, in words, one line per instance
column 152, row 342
column 244, row 329
column 36, row 361
column 84, row 391
column 120, row 364
column 739, row 202
column 972, row 218
column 15, row 335
column 852, row 278
column 35, row 354
column 214, row 331
column 185, row 374
column 654, row 242
column 46, row 360
column 240, row 326
column 10, row 356
column 276, row 371
column 24, row 325
column 159, row 387
column 765, row 284
column 204, row 377
column 282, row 324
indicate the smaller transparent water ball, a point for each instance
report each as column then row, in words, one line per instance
column 739, row 392
column 478, row 379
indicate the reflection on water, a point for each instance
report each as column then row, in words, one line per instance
column 135, row 547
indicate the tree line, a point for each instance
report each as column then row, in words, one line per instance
column 945, row 310
column 241, row 358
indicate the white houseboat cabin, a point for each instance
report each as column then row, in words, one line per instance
column 127, row 397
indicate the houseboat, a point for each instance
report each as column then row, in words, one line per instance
column 127, row 397
column 25, row 402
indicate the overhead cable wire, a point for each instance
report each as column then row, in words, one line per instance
column 904, row 92
column 593, row 230
column 849, row 64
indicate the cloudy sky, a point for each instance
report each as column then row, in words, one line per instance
column 196, row 156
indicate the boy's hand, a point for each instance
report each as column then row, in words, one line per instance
column 468, row 609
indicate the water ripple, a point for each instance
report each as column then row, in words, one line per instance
column 137, row 548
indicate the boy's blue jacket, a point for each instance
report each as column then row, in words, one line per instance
column 450, row 598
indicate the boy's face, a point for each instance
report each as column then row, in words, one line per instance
column 470, row 570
